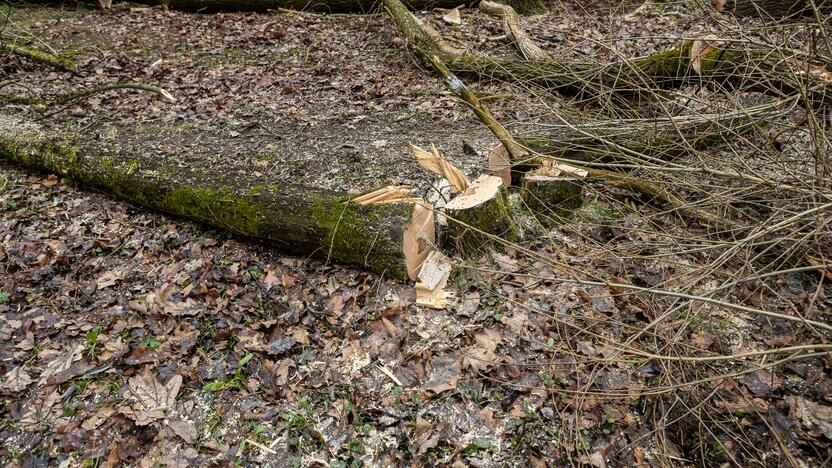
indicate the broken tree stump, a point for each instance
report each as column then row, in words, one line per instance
column 552, row 194
column 478, row 213
column 387, row 234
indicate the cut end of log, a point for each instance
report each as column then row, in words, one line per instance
column 482, row 190
column 419, row 238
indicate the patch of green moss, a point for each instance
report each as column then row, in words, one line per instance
column 217, row 206
column 365, row 235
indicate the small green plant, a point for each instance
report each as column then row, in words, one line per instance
column 5, row 297
column 236, row 381
column 151, row 342
column 477, row 445
column 92, row 342
column 546, row 378
column 256, row 273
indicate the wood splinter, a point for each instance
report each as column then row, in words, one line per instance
column 419, row 238
column 433, row 277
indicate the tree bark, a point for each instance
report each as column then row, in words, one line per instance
column 479, row 213
column 551, row 199
column 299, row 219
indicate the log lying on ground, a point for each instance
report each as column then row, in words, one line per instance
column 325, row 6
column 758, row 70
column 479, row 212
column 386, row 235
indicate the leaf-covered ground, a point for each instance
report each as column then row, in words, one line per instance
column 131, row 338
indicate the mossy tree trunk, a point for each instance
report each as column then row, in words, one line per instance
column 299, row 219
column 326, row 6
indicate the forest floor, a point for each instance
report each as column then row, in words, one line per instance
column 129, row 337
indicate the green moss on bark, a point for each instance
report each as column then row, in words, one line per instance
column 469, row 230
column 551, row 201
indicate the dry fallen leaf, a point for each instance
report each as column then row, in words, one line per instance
column 16, row 380
column 60, row 363
column 481, row 355
column 812, row 416
column 40, row 411
column 147, row 399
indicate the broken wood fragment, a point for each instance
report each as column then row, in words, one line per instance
column 479, row 213
column 514, row 30
column 419, row 237
column 434, row 162
column 433, row 278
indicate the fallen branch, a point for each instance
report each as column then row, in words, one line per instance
column 73, row 96
column 31, row 53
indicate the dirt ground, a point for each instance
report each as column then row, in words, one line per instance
column 131, row 338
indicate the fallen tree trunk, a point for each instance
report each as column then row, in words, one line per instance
column 478, row 213
column 326, row 6
column 387, row 236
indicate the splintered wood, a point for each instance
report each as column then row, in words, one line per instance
column 499, row 163
column 388, row 194
column 553, row 169
column 433, row 277
column 419, row 238
column 434, row 162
